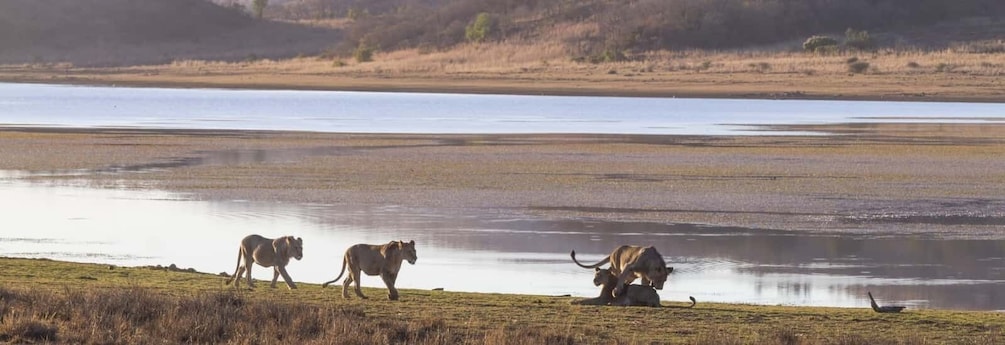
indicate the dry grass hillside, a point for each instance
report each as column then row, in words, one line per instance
column 131, row 32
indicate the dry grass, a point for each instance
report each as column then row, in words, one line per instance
column 517, row 66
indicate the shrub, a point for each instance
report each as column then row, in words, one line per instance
column 479, row 30
column 858, row 67
column 816, row 42
column 363, row 53
column 858, row 39
column 913, row 64
column 258, row 6
column 851, row 60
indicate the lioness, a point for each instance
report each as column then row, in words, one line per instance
column 633, row 295
column 268, row 253
column 384, row 260
column 630, row 262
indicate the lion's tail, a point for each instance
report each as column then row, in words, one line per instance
column 601, row 263
column 340, row 273
column 693, row 301
column 234, row 277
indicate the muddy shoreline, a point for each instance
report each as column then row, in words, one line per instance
column 941, row 180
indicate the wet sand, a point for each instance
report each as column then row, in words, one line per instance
column 944, row 180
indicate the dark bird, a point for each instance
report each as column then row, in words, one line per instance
column 884, row 309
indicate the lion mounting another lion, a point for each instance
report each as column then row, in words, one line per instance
column 267, row 252
column 631, row 262
column 384, row 260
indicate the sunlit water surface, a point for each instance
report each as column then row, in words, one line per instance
column 461, row 251
column 384, row 112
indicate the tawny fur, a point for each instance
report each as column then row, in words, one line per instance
column 384, row 260
column 267, row 252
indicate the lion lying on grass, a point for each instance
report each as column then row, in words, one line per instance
column 384, row 260
column 633, row 295
column 267, row 252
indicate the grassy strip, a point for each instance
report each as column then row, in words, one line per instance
column 44, row 301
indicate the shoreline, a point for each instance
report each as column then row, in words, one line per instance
column 502, row 84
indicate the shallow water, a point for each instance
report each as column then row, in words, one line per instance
column 377, row 112
column 500, row 252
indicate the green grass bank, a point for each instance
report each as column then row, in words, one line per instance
column 45, row 301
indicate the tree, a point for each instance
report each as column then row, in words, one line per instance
column 480, row 29
column 259, row 6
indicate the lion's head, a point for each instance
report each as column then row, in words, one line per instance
column 295, row 247
column 603, row 276
column 658, row 275
column 407, row 250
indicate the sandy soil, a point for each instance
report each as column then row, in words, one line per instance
column 789, row 79
column 940, row 180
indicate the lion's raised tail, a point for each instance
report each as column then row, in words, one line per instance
column 340, row 273
column 234, row 277
column 601, row 263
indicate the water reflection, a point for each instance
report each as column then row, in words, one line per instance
column 501, row 252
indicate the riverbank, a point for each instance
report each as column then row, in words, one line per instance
column 888, row 76
column 46, row 300
column 940, row 180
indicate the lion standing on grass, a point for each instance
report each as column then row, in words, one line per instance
column 267, row 252
column 384, row 260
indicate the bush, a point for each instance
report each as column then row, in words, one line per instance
column 479, row 30
column 858, row 67
column 816, row 42
column 913, row 64
column 858, row 39
column 363, row 53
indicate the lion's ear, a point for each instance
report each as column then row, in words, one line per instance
column 669, row 269
column 412, row 242
column 596, row 269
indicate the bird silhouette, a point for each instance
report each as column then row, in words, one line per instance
column 884, row 309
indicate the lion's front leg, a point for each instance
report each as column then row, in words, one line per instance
column 626, row 277
column 389, row 278
column 281, row 270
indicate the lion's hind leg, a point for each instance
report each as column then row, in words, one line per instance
column 355, row 275
column 345, row 286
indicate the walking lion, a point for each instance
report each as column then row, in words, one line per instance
column 384, row 260
column 267, row 252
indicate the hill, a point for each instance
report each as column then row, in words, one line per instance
column 611, row 28
column 124, row 32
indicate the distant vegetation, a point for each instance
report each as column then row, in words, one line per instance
column 641, row 25
column 124, row 32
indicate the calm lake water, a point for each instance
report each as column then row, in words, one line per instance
column 73, row 221
column 376, row 112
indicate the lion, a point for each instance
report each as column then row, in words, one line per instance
column 384, row 260
column 275, row 253
column 633, row 295
column 631, row 262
